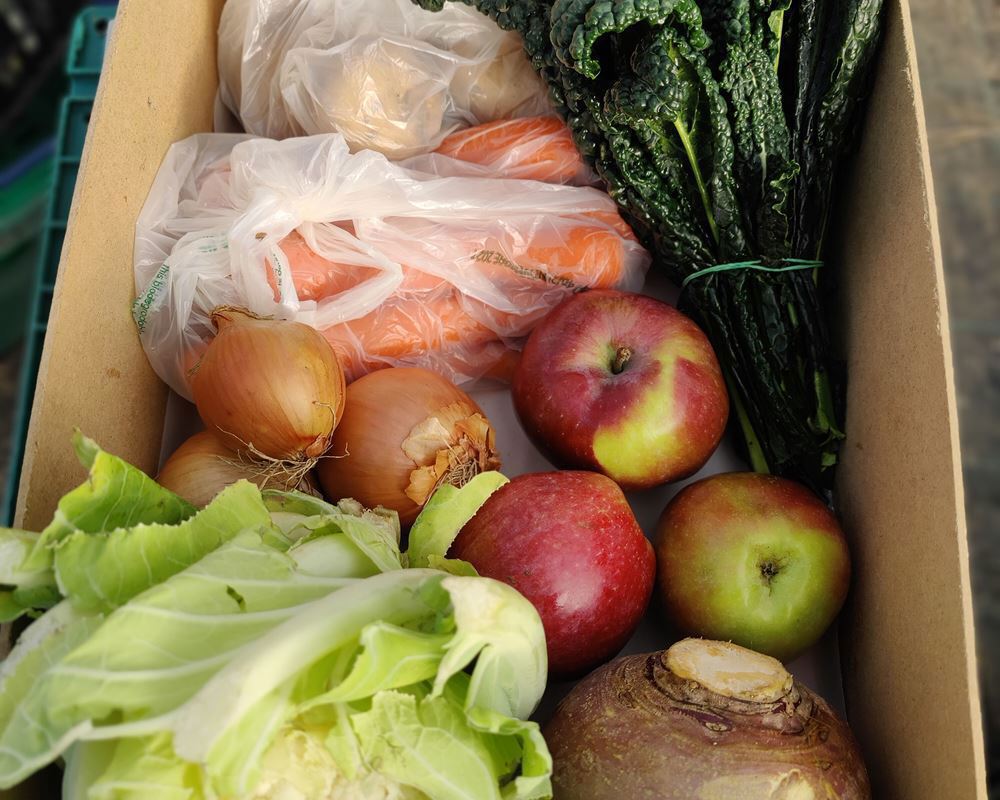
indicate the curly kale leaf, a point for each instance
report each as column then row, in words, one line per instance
column 667, row 96
column 747, row 46
column 578, row 24
column 829, row 47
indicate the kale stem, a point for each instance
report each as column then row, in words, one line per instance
column 777, row 29
column 822, row 229
column 685, row 138
column 758, row 461
column 825, row 413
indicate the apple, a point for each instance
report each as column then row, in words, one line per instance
column 624, row 385
column 752, row 559
column 568, row 541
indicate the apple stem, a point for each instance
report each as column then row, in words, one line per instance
column 622, row 356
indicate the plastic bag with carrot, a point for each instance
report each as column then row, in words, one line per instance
column 394, row 265
column 530, row 148
column 386, row 74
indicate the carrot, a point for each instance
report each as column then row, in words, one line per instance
column 588, row 255
column 315, row 277
column 530, row 148
column 430, row 318
column 571, row 251
column 410, row 325
column 614, row 221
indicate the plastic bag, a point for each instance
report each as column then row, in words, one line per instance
column 386, row 74
column 528, row 148
column 393, row 265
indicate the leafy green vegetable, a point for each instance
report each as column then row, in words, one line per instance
column 45, row 642
column 115, row 495
column 85, row 763
column 718, row 128
column 510, row 656
column 131, row 768
column 101, row 571
column 185, row 657
column 443, row 516
column 231, row 655
column 391, row 657
column 15, row 546
column 418, row 738
column 152, row 653
column 453, row 566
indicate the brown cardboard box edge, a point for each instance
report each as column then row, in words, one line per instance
column 92, row 369
column 907, row 637
column 909, row 659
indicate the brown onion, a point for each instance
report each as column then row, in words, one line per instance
column 203, row 466
column 271, row 388
column 405, row 432
column 707, row 720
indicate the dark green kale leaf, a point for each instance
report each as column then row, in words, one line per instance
column 829, row 49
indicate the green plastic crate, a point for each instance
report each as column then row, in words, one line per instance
column 22, row 217
column 84, row 61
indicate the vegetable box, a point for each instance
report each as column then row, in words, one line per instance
column 906, row 639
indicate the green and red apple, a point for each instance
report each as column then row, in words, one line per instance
column 752, row 559
column 621, row 384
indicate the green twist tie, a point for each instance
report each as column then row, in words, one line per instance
column 790, row 265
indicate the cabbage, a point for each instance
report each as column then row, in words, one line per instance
column 267, row 648
column 444, row 515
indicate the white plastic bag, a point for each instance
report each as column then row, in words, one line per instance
column 394, row 266
column 386, row 74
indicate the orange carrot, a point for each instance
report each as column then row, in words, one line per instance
column 613, row 220
column 407, row 325
column 586, row 254
column 429, row 317
column 315, row 277
column 530, row 148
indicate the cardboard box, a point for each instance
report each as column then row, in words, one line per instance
column 909, row 663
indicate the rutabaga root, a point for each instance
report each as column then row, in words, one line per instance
column 703, row 719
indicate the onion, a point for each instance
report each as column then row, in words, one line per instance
column 704, row 719
column 203, row 466
column 272, row 389
column 405, row 432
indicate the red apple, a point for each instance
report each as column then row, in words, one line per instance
column 621, row 384
column 752, row 559
column 568, row 541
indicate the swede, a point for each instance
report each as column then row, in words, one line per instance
column 706, row 720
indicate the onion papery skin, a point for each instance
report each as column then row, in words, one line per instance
column 203, row 466
column 270, row 388
column 401, row 427
column 634, row 729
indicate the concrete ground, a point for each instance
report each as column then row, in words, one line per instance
column 958, row 49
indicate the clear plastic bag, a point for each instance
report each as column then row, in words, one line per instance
column 528, row 148
column 386, row 74
column 395, row 266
